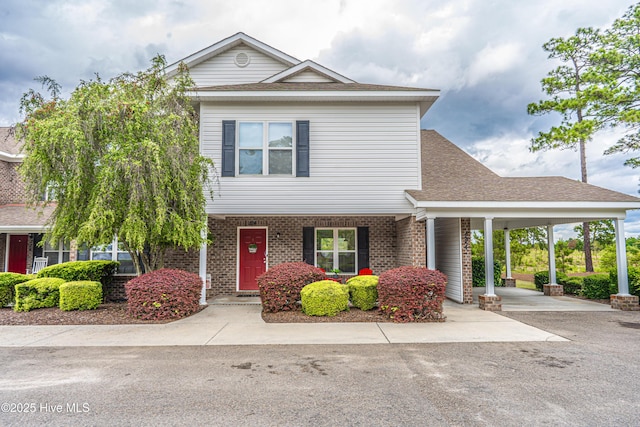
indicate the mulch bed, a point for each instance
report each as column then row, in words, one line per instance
column 297, row 316
column 105, row 314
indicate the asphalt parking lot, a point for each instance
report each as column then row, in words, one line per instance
column 589, row 380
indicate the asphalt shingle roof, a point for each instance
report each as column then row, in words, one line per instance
column 8, row 143
column 19, row 215
column 309, row 86
column 449, row 174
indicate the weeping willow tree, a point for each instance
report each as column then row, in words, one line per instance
column 122, row 159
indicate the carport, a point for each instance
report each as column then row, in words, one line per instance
column 516, row 299
column 459, row 195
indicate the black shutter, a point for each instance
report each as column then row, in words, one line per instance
column 228, row 148
column 363, row 247
column 308, row 238
column 302, row 148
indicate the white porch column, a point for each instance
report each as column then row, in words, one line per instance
column 621, row 258
column 431, row 243
column 507, row 251
column 202, row 271
column 552, row 255
column 488, row 257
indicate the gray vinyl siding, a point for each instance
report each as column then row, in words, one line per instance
column 362, row 158
column 222, row 70
column 449, row 255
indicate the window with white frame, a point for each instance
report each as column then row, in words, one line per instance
column 265, row 148
column 336, row 249
column 111, row 252
column 56, row 253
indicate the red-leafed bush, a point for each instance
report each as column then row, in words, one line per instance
column 163, row 294
column 409, row 294
column 280, row 286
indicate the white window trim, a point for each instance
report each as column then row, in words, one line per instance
column 265, row 147
column 336, row 251
column 114, row 254
column 61, row 250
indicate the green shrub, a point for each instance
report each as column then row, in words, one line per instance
column 633, row 274
column 572, row 285
column 363, row 291
column 8, row 281
column 541, row 278
column 598, row 286
column 82, row 295
column 38, row 293
column 73, row 271
column 163, row 294
column 478, row 271
column 409, row 294
column 324, row 298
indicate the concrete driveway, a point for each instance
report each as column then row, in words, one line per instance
column 517, row 299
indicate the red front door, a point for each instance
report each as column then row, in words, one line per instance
column 252, row 257
column 18, row 253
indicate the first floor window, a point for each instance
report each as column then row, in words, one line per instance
column 57, row 253
column 336, row 249
column 111, row 252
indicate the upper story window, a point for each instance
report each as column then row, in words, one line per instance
column 265, row 148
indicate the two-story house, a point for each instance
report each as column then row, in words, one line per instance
column 313, row 166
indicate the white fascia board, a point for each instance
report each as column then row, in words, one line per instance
column 228, row 43
column 427, row 96
column 11, row 158
column 525, row 205
column 22, row 229
column 312, row 66
column 585, row 213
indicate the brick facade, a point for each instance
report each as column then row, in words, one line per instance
column 11, row 185
column 412, row 249
column 3, row 248
column 284, row 245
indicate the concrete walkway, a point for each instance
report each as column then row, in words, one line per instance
column 226, row 323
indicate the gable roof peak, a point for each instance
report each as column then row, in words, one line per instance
column 229, row 43
column 308, row 65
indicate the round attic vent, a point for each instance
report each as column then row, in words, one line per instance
column 242, row 59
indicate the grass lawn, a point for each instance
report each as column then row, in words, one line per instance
column 525, row 285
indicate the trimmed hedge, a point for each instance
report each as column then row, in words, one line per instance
column 73, row 271
column 324, row 298
column 541, row 278
column 38, row 293
column 633, row 275
column 572, row 286
column 363, row 291
column 8, row 282
column 163, row 294
column 280, row 286
column 82, row 295
column 598, row 286
column 478, row 270
column 407, row 294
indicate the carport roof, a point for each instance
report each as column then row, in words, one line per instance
column 451, row 175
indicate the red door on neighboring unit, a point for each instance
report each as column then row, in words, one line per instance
column 252, row 257
column 18, row 253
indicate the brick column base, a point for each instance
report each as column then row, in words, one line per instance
column 625, row 302
column 509, row 282
column 490, row 303
column 553, row 290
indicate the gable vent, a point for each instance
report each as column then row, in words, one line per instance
column 242, row 59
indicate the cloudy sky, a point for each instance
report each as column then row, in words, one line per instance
column 484, row 55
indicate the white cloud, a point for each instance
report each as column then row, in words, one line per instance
column 494, row 60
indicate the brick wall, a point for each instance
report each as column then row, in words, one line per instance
column 467, row 279
column 3, row 248
column 287, row 247
column 411, row 242
column 11, row 186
